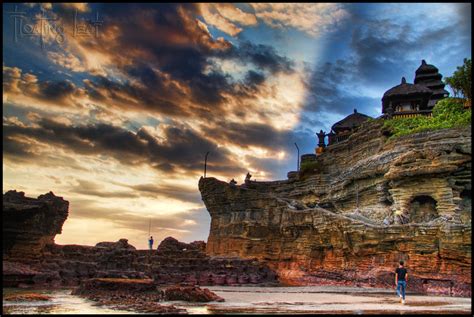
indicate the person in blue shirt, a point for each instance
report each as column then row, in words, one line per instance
column 150, row 242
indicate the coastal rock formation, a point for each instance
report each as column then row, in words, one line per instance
column 191, row 294
column 138, row 295
column 121, row 244
column 361, row 206
column 68, row 265
column 115, row 284
column 30, row 224
column 30, row 257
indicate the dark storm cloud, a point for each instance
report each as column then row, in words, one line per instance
column 181, row 148
column 248, row 134
column 168, row 51
column 253, row 78
column 265, row 136
column 56, row 90
column 331, row 89
column 16, row 148
column 264, row 57
column 385, row 48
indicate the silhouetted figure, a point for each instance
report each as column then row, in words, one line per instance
column 233, row 182
column 247, row 178
column 150, row 242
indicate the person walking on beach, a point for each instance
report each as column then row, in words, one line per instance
column 401, row 277
column 150, row 242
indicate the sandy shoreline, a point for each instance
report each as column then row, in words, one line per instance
column 283, row 300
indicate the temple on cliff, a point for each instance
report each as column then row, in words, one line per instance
column 341, row 130
column 409, row 100
column 404, row 100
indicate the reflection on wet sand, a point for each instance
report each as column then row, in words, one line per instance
column 261, row 300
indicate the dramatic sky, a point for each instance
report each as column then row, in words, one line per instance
column 114, row 106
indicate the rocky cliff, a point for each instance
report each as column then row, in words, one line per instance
column 31, row 258
column 357, row 209
column 30, row 224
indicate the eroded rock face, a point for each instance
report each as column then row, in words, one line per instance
column 368, row 204
column 31, row 224
column 32, row 259
column 68, row 265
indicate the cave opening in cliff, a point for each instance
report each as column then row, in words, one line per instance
column 423, row 209
column 466, row 199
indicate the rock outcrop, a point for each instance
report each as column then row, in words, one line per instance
column 138, row 295
column 32, row 259
column 68, row 265
column 363, row 205
column 115, row 284
column 30, row 224
column 191, row 294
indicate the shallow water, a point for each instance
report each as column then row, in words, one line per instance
column 62, row 302
column 262, row 300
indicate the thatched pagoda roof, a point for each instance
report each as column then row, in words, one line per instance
column 405, row 89
column 351, row 121
column 426, row 68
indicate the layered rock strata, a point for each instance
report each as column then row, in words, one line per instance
column 38, row 261
column 30, row 224
column 360, row 207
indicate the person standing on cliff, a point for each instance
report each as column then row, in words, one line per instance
column 150, row 242
column 401, row 277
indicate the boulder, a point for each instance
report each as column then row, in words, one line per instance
column 120, row 244
column 191, row 294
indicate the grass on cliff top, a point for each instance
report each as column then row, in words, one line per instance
column 447, row 113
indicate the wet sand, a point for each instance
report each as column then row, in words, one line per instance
column 332, row 300
column 261, row 300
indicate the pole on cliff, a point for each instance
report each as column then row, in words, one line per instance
column 205, row 164
column 298, row 158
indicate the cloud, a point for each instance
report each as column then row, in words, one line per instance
column 26, row 86
column 226, row 16
column 67, row 60
column 80, row 7
column 89, row 209
column 149, row 59
column 264, row 57
column 177, row 149
column 312, row 18
column 89, row 188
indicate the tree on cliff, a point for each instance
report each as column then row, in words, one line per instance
column 461, row 81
